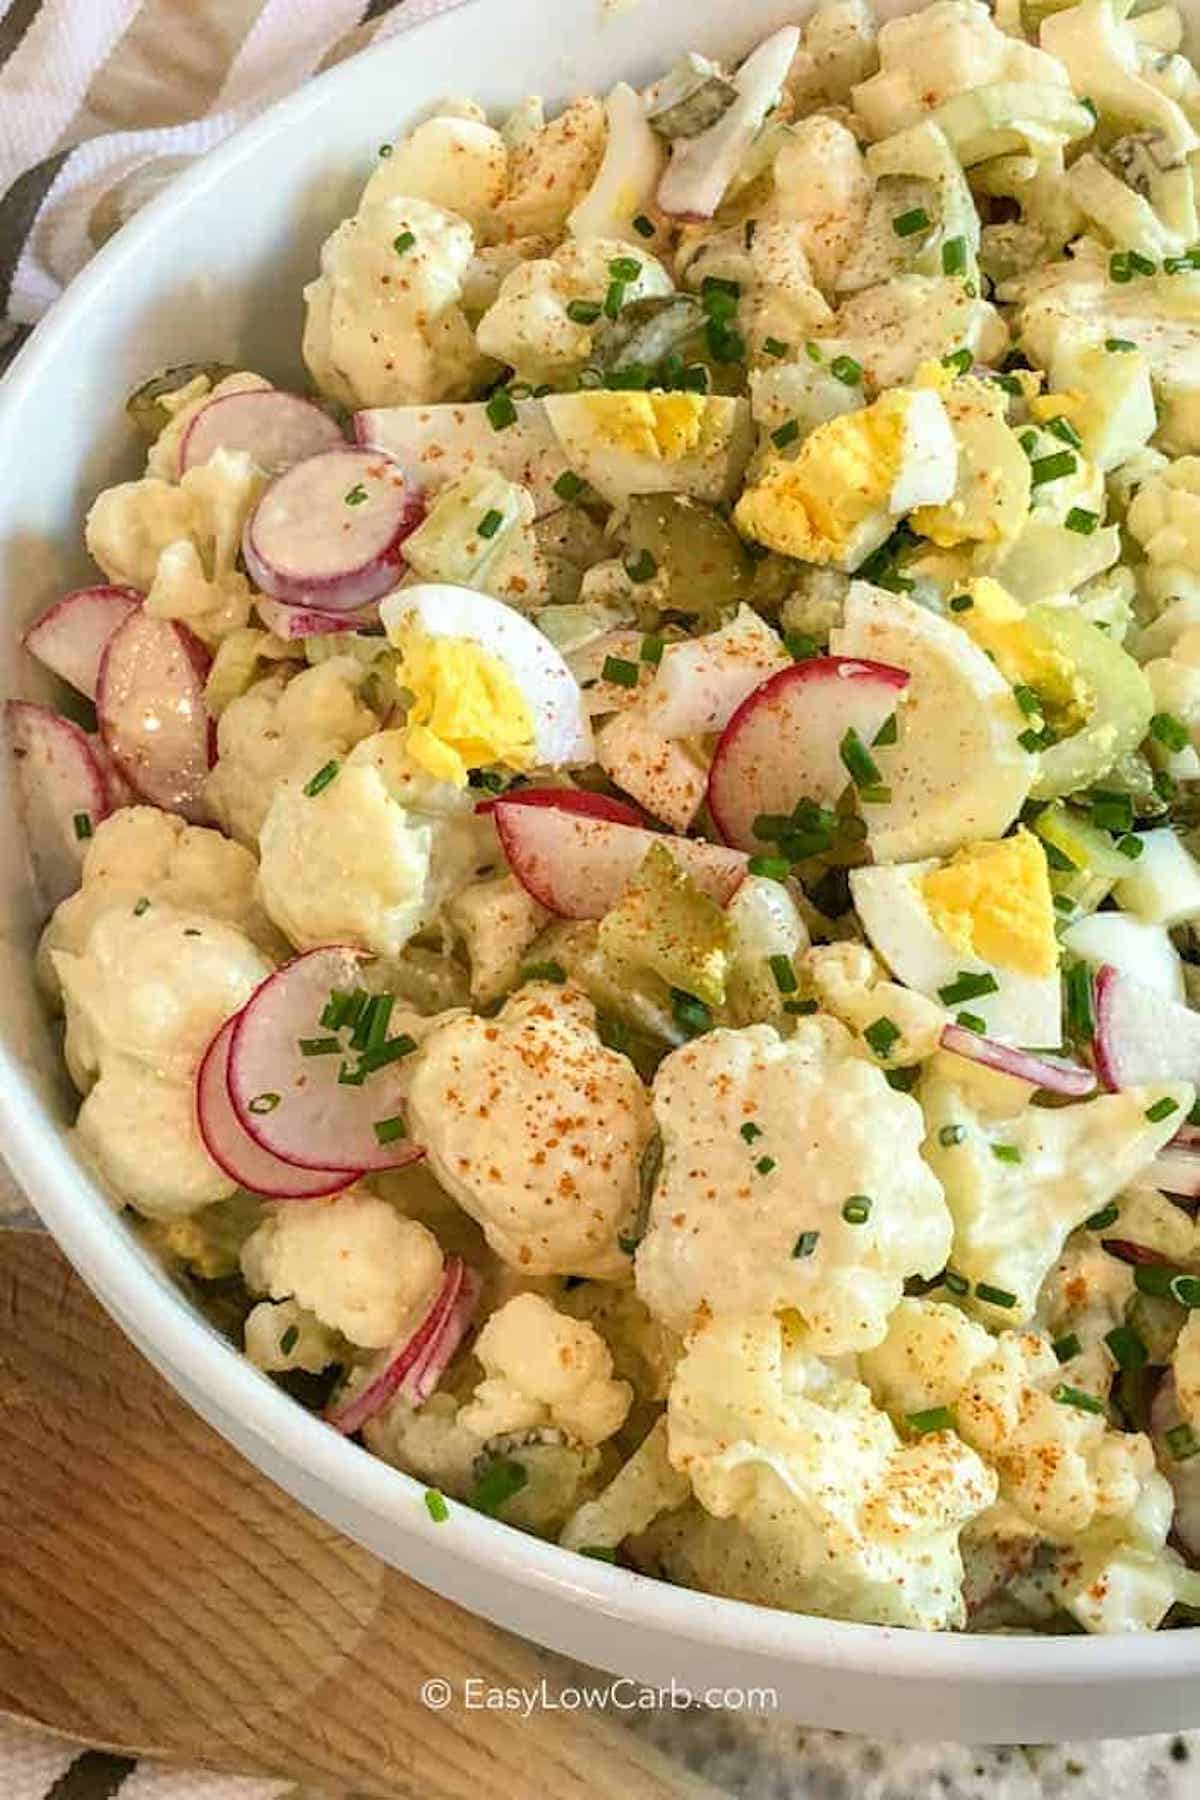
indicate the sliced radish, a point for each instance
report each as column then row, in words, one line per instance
column 422, row 1378
column 437, row 444
column 1050, row 1073
column 328, row 532
column 783, row 744
column 701, row 682
column 278, row 430
column 292, row 622
column 1140, row 1036
column 702, row 167
column 572, row 800
column 70, row 637
column 61, row 793
column 150, row 705
column 234, row 1150
column 294, row 1105
column 579, row 866
column 1176, row 1172
column 415, row 1355
column 116, row 787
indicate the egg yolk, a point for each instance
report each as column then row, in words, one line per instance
column 467, row 712
column 1023, row 656
column 993, row 901
column 662, row 427
column 811, row 507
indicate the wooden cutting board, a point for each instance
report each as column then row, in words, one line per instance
column 158, row 1596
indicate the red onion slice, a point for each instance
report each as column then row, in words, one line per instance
column 1050, row 1073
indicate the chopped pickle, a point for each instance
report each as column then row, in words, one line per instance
column 664, row 922
column 1121, row 710
column 144, row 406
column 698, row 554
column 635, row 997
column 209, row 1243
column 448, row 544
column 693, row 96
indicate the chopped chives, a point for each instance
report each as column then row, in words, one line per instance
column 1066, row 1395
column 784, row 973
column 971, row 1022
column 799, row 646
column 620, row 672
column 994, row 1296
column 1089, row 105
column 544, row 971
column 569, row 486
column 961, row 603
column 1117, row 345
column 1130, row 846
column 1100, row 1221
column 404, row 242
column 583, row 312
column 355, row 496
column 878, row 795
column 641, row 567
column 1141, row 265
column 501, row 410
column 320, row 1046
column 1061, row 427
column 954, row 256
column 719, row 290
column 1111, row 811
column 490, row 523
column 1169, row 731
column 958, row 360
column 773, row 346
column 1030, row 740
column 1080, row 1015
column 801, row 1008
column 858, row 762
column 887, row 733
column 598, row 1552
column 934, row 1418
column 1079, row 519
column 1186, row 1289
column 1128, row 1350
column 813, row 352
column 750, row 1131
column 954, row 1283
column 370, row 1028
column 691, row 1015
column 1064, row 904
column 263, row 1103
column 902, row 1081
column 1027, row 698
column 289, row 1340
column 1006, row 1153
column 643, row 226
column 388, row 1130
column 503, row 1478
column 1118, row 267
column 435, row 1506
column 882, row 1036
column 1044, row 469
column 774, row 868
column 82, row 823
column 967, row 987
column 786, row 434
column 1182, row 1442
column 652, row 649
column 846, row 370
column 949, row 1135
column 907, row 224
column 857, row 1209
column 1066, row 1347
column 379, row 1056
column 143, row 905
column 1165, row 786
column 806, row 1243
column 765, row 1164
column 614, row 299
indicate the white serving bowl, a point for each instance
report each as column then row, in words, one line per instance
column 215, row 268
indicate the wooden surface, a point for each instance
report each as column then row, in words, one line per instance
column 158, row 1595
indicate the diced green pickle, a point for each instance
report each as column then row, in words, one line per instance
column 665, row 923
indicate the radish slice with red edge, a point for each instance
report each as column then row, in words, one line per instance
column 294, row 1105
column 422, row 1378
column 61, row 792
column 117, row 789
column 70, row 636
column 572, row 800
column 1140, row 1036
column 277, row 429
column 329, row 532
column 150, row 705
column 400, row 1361
column 292, row 622
column 1050, row 1073
column 784, row 742
column 235, row 1151
column 578, row 865
column 1176, row 1172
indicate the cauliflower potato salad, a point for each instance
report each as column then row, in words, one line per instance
column 621, row 865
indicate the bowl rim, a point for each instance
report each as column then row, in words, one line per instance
column 91, row 1232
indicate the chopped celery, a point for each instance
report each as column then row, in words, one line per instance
column 637, row 998
column 1009, row 115
column 696, row 551
column 922, row 153
column 1089, row 850
column 665, row 923
column 448, row 544
column 209, row 1243
column 1122, row 704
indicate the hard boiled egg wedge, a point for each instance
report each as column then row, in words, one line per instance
column 975, row 932
column 628, row 443
column 487, row 688
column 957, row 771
column 854, row 477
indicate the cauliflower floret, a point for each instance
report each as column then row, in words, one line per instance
column 849, row 981
column 779, row 298
column 551, row 168
column 498, row 920
column 891, row 329
column 271, row 1325
column 542, row 1368
column 1164, row 515
column 841, row 38
column 834, row 1515
column 354, row 1261
column 459, row 165
column 926, row 1359
column 536, row 1130
column 642, row 1488
column 179, row 544
column 823, row 189
column 141, row 854
column 370, row 857
column 1084, row 1296
column 765, row 1141
column 1018, row 1186
column 140, row 1135
column 153, row 986
column 182, row 404
column 385, row 326
column 280, row 729
column 529, row 327
column 948, row 48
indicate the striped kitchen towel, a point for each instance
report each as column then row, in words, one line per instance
column 35, row 1766
column 102, row 101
